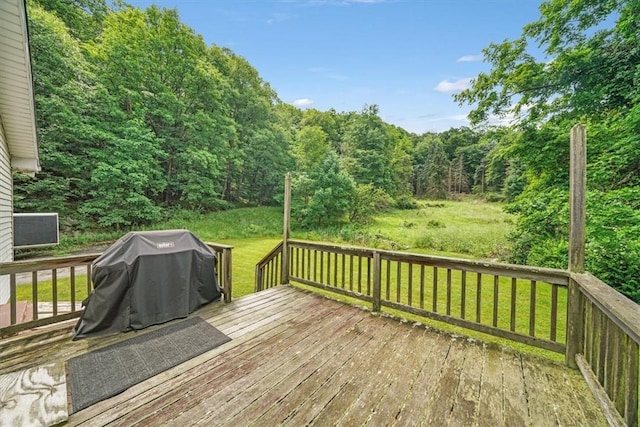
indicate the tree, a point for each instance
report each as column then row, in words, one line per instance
column 435, row 172
column 325, row 197
column 367, row 148
column 587, row 72
column 310, row 147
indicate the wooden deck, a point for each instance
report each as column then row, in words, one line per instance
column 297, row 358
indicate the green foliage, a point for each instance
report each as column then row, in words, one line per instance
column 406, row 202
column 587, row 72
column 367, row 145
column 435, row 171
column 325, row 197
column 367, row 201
column 310, row 148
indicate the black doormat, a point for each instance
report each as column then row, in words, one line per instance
column 103, row 373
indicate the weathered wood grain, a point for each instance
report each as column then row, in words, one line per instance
column 490, row 405
column 359, row 398
column 297, row 358
column 154, row 388
column 326, row 374
column 256, row 400
column 514, row 393
column 465, row 408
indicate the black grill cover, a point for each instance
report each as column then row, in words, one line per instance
column 147, row 278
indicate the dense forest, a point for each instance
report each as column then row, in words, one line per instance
column 137, row 118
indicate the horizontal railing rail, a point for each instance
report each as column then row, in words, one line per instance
column 520, row 303
column 608, row 354
column 46, row 290
column 50, row 290
column 269, row 269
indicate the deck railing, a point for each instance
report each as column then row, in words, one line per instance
column 52, row 289
column 525, row 304
column 269, row 269
column 608, row 339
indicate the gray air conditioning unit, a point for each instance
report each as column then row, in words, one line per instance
column 35, row 229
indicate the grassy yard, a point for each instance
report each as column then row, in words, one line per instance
column 463, row 229
column 467, row 229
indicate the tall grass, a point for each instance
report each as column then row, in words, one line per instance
column 467, row 228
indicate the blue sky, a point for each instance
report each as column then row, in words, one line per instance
column 406, row 56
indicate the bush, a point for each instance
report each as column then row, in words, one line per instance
column 406, row 202
column 367, row 201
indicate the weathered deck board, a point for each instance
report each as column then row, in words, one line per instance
column 297, row 358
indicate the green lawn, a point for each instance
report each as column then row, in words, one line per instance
column 467, row 228
column 463, row 229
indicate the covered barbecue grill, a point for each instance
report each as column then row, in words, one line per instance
column 146, row 278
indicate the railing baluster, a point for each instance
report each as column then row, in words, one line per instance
column 351, row 272
column 335, row 269
column 463, row 295
column 478, row 296
column 422, row 286
column 343, row 269
column 496, row 281
column 328, row 268
column 434, row 305
column 620, row 365
column 597, row 349
column 514, row 290
column 72, row 287
column 612, row 358
column 588, row 352
column 315, row 265
column 554, row 312
column 13, row 299
column 388, row 287
column 409, row 284
column 368, row 276
column 267, row 276
column 631, row 396
column 359, row 274
column 532, row 309
column 308, row 264
column 321, row 266
column 297, row 250
column 34, row 294
column 398, row 280
column 54, row 290
column 448, row 292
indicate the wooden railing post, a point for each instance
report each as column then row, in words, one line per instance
column 577, row 237
column 226, row 269
column 377, row 280
column 284, row 275
column 258, row 284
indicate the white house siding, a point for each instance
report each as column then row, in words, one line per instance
column 6, row 204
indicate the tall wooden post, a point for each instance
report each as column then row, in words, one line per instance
column 377, row 280
column 577, row 237
column 284, row 275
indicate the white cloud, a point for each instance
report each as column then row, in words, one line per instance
column 453, row 86
column 302, row 102
column 278, row 17
column 470, row 58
